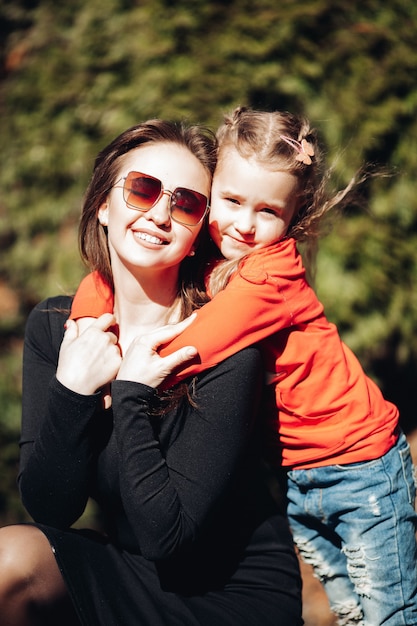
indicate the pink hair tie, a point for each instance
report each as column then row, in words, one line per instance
column 303, row 148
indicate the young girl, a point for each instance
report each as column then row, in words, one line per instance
column 350, row 480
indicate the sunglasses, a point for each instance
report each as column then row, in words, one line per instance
column 142, row 192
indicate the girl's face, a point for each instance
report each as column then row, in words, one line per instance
column 251, row 206
column 151, row 240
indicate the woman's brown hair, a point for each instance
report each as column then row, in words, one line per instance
column 93, row 244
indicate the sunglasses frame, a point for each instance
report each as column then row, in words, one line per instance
column 162, row 192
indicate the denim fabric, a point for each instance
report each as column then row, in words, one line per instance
column 356, row 525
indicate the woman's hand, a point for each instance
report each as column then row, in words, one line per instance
column 90, row 358
column 142, row 363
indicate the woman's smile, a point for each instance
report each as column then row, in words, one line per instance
column 149, row 238
column 135, row 237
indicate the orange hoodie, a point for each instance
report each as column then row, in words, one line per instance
column 322, row 408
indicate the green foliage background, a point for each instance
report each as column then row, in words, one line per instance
column 74, row 74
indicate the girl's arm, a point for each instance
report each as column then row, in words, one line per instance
column 268, row 294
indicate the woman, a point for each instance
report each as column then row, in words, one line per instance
column 191, row 534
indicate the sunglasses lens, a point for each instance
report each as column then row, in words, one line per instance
column 187, row 206
column 141, row 191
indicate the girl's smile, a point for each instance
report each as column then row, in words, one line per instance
column 251, row 205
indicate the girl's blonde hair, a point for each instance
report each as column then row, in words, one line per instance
column 276, row 140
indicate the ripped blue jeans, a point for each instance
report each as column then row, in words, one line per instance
column 356, row 524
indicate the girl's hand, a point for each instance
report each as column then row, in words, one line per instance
column 142, row 363
column 88, row 359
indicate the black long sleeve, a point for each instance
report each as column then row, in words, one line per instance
column 170, row 493
column 56, row 450
column 170, row 479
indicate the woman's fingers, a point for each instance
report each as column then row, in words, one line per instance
column 91, row 358
column 178, row 358
column 104, row 321
column 142, row 363
column 163, row 335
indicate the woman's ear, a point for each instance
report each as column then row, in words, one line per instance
column 103, row 214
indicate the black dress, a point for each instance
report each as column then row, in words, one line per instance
column 192, row 536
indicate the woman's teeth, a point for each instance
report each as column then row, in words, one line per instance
column 150, row 238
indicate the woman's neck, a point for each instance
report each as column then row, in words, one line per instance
column 141, row 305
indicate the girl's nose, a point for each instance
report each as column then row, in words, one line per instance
column 244, row 223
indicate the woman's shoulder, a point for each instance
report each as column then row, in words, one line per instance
column 50, row 308
column 243, row 366
column 249, row 355
column 48, row 317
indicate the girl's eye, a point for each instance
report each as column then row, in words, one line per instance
column 232, row 200
column 270, row 211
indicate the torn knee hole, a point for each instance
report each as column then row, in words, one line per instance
column 311, row 556
column 357, row 570
column 348, row 614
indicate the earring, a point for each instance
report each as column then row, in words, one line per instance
column 191, row 253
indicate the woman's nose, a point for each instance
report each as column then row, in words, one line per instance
column 160, row 213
